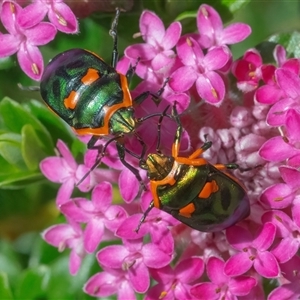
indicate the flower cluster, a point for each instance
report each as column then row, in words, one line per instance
column 26, row 31
column 255, row 127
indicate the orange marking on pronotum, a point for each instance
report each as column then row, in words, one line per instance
column 187, row 210
column 71, row 101
column 91, row 76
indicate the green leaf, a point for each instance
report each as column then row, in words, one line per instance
column 5, row 291
column 55, row 125
column 33, row 283
column 14, row 117
column 10, row 150
column 19, row 179
column 9, row 261
column 32, row 148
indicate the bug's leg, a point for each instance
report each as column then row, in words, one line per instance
column 142, row 220
column 131, row 71
column 178, row 134
column 113, row 32
column 155, row 96
column 101, row 152
column 121, row 151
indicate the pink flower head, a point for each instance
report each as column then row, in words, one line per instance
column 59, row 14
column 211, row 29
column 98, row 214
column 176, row 283
column 252, row 251
column 221, row 285
column 156, row 54
column 135, row 258
column 24, row 40
column 67, row 236
column 200, row 69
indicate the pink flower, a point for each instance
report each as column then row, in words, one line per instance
column 287, row 234
column 221, row 285
column 156, row 224
column 135, row 258
column 24, row 40
column 67, row 236
column 248, row 70
column 59, row 14
column 156, row 55
column 211, row 29
column 64, row 170
column 252, row 251
column 200, row 69
column 176, row 283
column 98, row 214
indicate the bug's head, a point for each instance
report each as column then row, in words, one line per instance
column 123, row 121
column 158, row 166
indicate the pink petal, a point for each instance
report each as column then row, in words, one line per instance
column 9, row 13
column 292, row 125
column 238, row 237
column 9, row 45
column 129, row 185
column 235, row 33
column 289, row 291
column 65, row 192
column 290, row 175
column 216, row 58
column 182, row 79
column 189, row 51
column 211, row 88
column 279, row 54
column 266, row 265
column 115, row 216
column 163, row 61
column 215, row 268
column 193, row 272
column 265, row 237
column 289, row 82
column 32, row 14
column 286, row 249
column 93, row 235
column 74, row 262
column 102, row 196
column 277, row 113
column 205, row 290
column 278, row 196
column 57, row 234
column 241, row 285
column 172, row 36
column 41, row 34
column 112, row 256
column 154, row 257
column 208, row 20
column 268, row 94
column 139, row 277
column 66, row 154
column 152, row 28
column 277, row 150
column 143, row 51
column 127, row 228
column 73, row 210
column 100, row 285
column 125, row 291
column 31, row 61
column 63, row 18
column 238, row 264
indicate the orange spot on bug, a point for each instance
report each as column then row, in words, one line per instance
column 71, row 101
column 91, row 76
column 187, row 210
column 208, row 189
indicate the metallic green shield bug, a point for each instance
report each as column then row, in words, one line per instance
column 201, row 195
column 93, row 98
